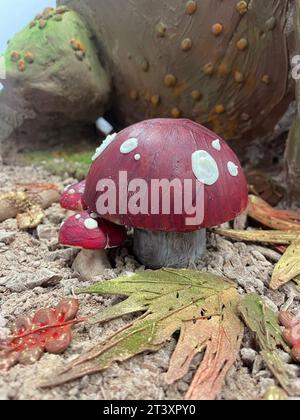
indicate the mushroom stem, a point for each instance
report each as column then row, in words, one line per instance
column 91, row 263
column 169, row 249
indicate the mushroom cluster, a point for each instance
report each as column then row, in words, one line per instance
column 167, row 149
column 86, row 230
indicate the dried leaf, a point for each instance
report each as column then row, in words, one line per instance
column 288, row 267
column 36, row 187
column 276, row 219
column 262, row 236
column 49, row 330
column 265, row 187
column 200, row 305
column 264, row 323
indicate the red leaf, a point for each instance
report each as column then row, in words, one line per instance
column 49, row 330
column 291, row 332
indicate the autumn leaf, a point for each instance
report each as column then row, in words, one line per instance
column 265, row 187
column 262, row 236
column 276, row 219
column 288, row 267
column 202, row 306
column 48, row 330
column 263, row 322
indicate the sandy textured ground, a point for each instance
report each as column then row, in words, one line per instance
column 34, row 258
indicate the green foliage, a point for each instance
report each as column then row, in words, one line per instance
column 62, row 163
column 263, row 322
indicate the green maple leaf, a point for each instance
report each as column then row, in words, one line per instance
column 264, row 323
column 203, row 307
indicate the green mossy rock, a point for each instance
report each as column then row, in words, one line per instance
column 54, row 65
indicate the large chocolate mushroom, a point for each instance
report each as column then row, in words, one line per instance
column 169, row 149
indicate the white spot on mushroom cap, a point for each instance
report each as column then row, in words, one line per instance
column 129, row 146
column 205, row 167
column 91, row 224
column 77, row 217
column 137, row 157
column 94, row 215
column 233, row 169
column 109, row 139
column 216, row 144
column 71, row 191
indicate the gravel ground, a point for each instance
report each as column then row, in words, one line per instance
column 36, row 272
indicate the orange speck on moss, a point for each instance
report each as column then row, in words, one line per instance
column 21, row 66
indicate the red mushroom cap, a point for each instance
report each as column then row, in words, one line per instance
column 171, row 149
column 71, row 198
column 87, row 231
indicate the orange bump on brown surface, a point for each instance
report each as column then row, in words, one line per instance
column 161, row 29
column 29, row 58
column 266, row 79
column 242, row 44
column 21, row 65
column 155, row 99
column 77, row 45
column 170, row 80
column 239, row 77
column 242, row 7
column 217, row 29
column 196, row 95
column 220, row 109
column 42, row 24
column 133, row 94
column 208, row 69
column 191, row 7
column 223, row 69
column 175, row 112
column 186, row 44
column 15, row 56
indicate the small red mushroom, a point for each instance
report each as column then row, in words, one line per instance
column 93, row 235
column 90, row 233
column 71, row 198
column 168, row 149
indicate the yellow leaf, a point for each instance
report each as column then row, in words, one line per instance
column 262, row 236
column 288, row 267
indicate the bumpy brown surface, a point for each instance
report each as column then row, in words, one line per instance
column 222, row 63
